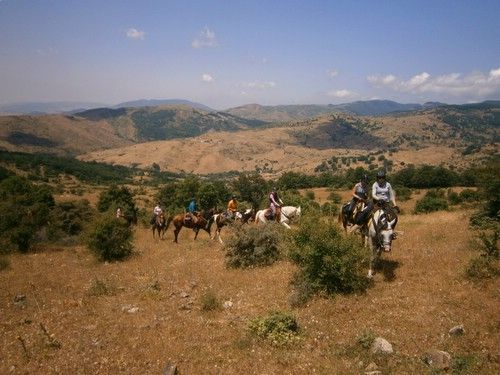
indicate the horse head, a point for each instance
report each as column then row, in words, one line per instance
column 385, row 231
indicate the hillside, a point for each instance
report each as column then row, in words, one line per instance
column 434, row 137
column 65, row 312
column 191, row 140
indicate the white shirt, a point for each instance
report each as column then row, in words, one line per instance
column 383, row 192
column 157, row 210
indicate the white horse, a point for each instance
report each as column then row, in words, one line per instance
column 379, row 237
column 288, row 214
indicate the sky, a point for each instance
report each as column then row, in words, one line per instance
column 226, row 53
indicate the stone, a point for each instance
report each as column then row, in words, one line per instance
column 228, row 304
column 371, row 367
column 438, row 359
column 457, row 330
column 20, row 300
column 170, row 369
column 381, row 346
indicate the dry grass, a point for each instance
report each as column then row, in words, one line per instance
column 417, row 296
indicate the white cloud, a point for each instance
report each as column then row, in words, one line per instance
column 474, row 85
column 207, row 78
column 332, row 73
column 261, row 85
column 342, row 94
column 206, row 38
column 135, row 34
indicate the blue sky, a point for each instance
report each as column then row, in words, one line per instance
column 229, row 53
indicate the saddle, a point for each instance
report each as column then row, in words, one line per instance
column 188, row 218
column 268, row 214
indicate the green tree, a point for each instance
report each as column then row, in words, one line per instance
column 251, row 188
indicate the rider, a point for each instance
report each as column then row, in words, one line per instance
column 192, row 210
column 383, row 194
column 275, row 204
column 232, row 207
column 359, row 194
column 156, row 211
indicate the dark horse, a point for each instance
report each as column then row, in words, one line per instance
column 346, row 218
column 223, row 219
column 199, row 221
column 159, row 225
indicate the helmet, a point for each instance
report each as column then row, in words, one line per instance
column 364, row 178
column 233, row 197
column 275, row 188
column 381, row 174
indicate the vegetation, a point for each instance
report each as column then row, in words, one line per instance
column 68, row 219
column 44, row 167
column 25, row 209
column 433, row 200
column 279, row 328
column 487, row 264
column 328, row 261
column 209, row 301
column 109, row 238
column 253, row 246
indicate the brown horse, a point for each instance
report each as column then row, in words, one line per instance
column 199, row 221
column 159, row 225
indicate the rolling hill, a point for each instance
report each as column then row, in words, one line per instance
column 183, row 139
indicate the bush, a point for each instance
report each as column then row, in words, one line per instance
column 4, row 262
column 433, row 200
column 253, row 246
column 403, row 193
column 209, row 301
column 109, row 239
column 487, row 265
column 69, row 219
column 329, row 262
column 280, row 328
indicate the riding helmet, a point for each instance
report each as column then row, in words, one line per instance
column 381, row 174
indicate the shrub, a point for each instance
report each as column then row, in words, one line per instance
column 253, row 246
column 69, row 219
column 453, row 197
column 209, row 301
column 99, row 287
column 469, row 195
column 310, row 195
column 109, row 239
column 433, row 200
column 403, row 193
column 487, row 265
column 280, row 328
column 329, row 262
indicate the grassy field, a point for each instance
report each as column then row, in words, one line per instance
column 81, row 316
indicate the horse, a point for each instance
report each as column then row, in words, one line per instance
column 200, row 221
column 379, row 236
column 159, row 225
column 344, row 218
column 288, row 214
column 222, row 219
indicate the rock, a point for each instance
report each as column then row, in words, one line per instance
column 184, row 295
column 228, row 304
column 438, row 359
column 130, row 309
column 381, row 346
column 376, row 372
column 20, row 300
column 371, row 367
column 170, row 369
column 457, row 330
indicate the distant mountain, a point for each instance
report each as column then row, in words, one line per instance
column 159, row 102
column 301, row 112
column 34, row 108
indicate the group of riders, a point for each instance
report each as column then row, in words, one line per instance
column 357, row 211
column 273, row 212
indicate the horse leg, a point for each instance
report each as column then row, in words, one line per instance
column 176, row 233
column 196, row 232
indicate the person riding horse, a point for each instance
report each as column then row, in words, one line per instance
column 383, row 195
column 232, row 208
column 119, row 213
column 275, row 204
column 359, row 194
column 156, row 211
column 192, row 211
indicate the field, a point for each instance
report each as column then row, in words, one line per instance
column 81, row 316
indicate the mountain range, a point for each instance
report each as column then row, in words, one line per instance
column 255, row 111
